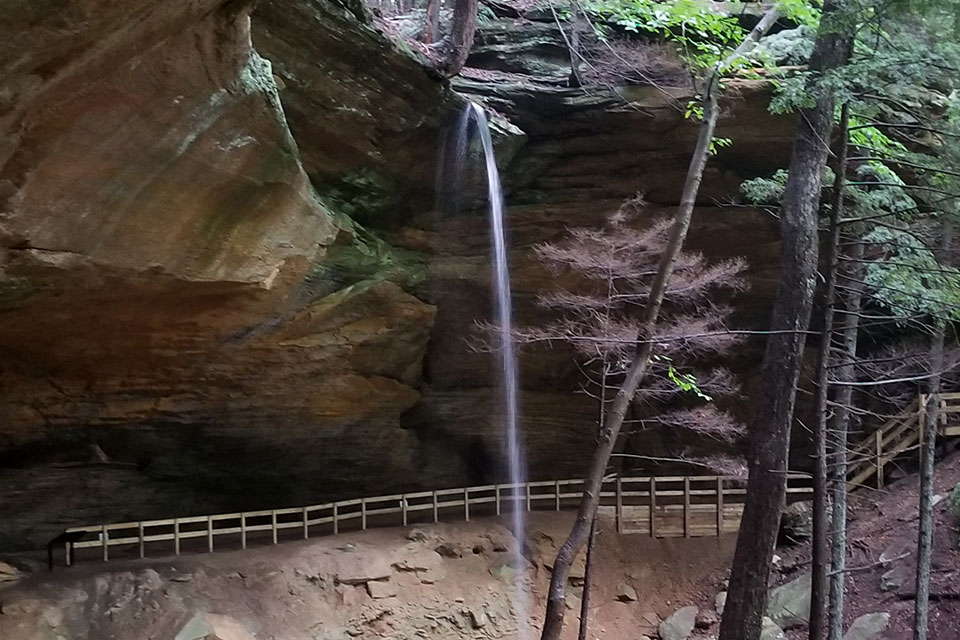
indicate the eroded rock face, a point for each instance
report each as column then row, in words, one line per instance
column 188, row 325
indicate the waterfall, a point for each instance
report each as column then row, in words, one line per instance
column 503, row 319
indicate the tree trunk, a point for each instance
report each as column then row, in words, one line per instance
column 587, row 575
column 770, row 430
column 821, row 516
column 931, row 416
column 556, row 596
column 431, row 29
column 457, row 45
column 841, row 423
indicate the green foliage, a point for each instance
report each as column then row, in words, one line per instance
column 687, row 383
column 910, row 281
column 703, row 37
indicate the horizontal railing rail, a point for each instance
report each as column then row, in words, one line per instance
column 666, row 506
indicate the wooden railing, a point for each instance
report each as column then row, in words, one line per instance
column 899, row 435
column 661, row 507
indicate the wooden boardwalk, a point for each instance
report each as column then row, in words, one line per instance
column 898, row 436
column 661, row 507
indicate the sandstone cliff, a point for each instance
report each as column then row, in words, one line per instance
column 223, row 283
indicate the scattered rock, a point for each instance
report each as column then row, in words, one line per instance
column 449, row 550
column 417, row 535
column 706, row 619
column 895, row 578
column 770, row 631
column 626, row 593
column 868, row 626
column 937, row 499
column 211, row 626
column 9, row 573
column 358, row 568
column 896, row 551
column 789, row 604
column 381, row 589
column 796, row 523
column 478, row 617
column 719, row 602
column 680, row 624
column 776, row 561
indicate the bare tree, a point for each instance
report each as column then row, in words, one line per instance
column 642, row 345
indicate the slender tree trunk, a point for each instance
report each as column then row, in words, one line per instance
column 931, row 416
column 592, row 540
column 457, row 45
column 769, row 434
column 587, row 575
column 556, row 596
column 840, row 427
column 431, row 29
column 821, row 515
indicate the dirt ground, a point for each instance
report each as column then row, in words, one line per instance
column 886, row 521
column 437, row 581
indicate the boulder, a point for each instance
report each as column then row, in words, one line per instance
column 379, row 589
column 789, row 604
column 359, row 568
column 478, row 617
column 770, row 631
column 626, row 593
column 719, row 602
column 895, row 578
column 680, row 624
column 796, row 522
column 868, row 626
column 706, row 619
column 9, row 573
column 211, row 626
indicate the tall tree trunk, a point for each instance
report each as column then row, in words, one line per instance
column 931, row 416
column 457, row 45
column 556, row 596
column 821, row 516
column 431, row 29
column 769, row 434
column 843, row 398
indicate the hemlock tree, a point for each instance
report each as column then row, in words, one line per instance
column 769, row 433
column 643, row 347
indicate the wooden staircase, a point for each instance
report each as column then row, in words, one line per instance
column 899, row 435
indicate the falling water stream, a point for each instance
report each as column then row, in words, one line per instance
column 503, row 319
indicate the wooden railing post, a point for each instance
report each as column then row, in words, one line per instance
column 496, row 496
column 436, row 508
column 527, row 487
column 176, row 536
column 273, row 525
column 619, row 513
column 105, row 541
column 686, row 506
column 306, row 523
column 556, row 490
column 403, row 508
column 141, row 543
column 209, row 534
column 336, row 519
column 719, row 506
column 243, row 531
column 363, row 514
column 466, row 505
column 653, row 507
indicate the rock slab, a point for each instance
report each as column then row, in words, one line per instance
column 680, row 624
column 868, row 626
column 789, row 604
